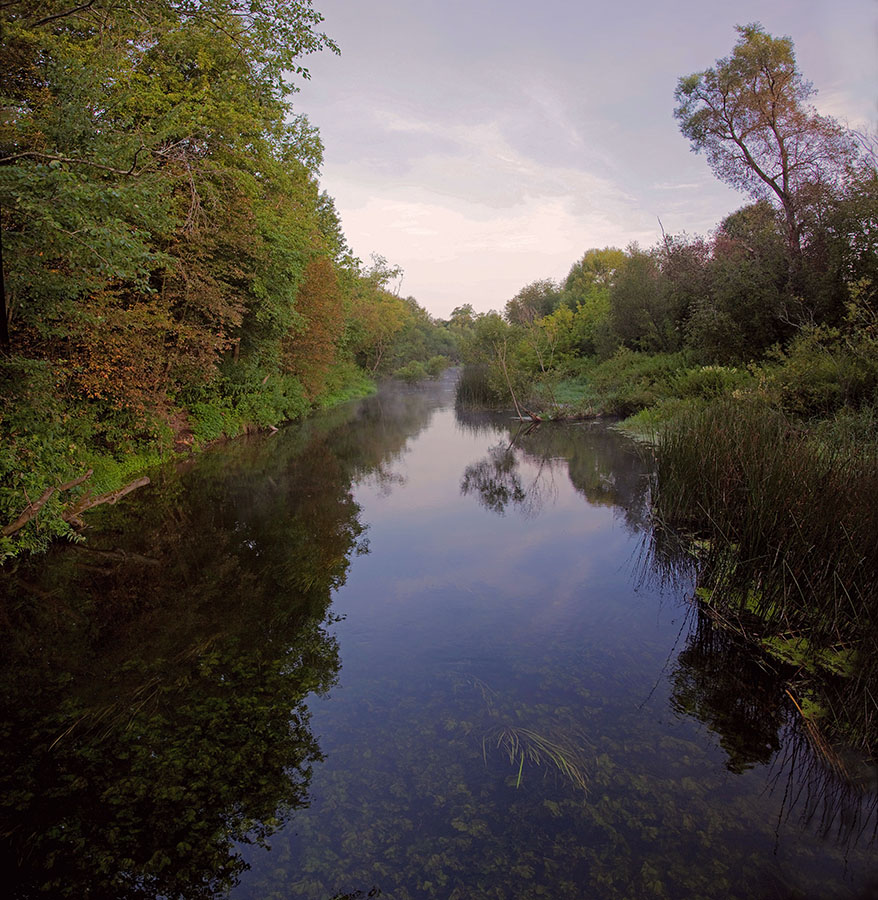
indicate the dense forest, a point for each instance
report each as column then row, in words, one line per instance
column 172, row 270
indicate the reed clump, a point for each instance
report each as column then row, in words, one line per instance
column 475, row 389
column 786, row 520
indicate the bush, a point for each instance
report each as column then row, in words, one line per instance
column 411, row 372
column 630, row 381
column 50, row 438
column 436, row 365
column 708, row 382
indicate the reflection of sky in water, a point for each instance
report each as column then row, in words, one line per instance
column 453, row 578
column 543, row 608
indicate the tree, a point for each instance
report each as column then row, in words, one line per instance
column 597, row 269
column 463, row 316
column 744, row 308
column 641, row 307
column 751, row 116
column 310, row 350
column 586, row 290
column 533, row 301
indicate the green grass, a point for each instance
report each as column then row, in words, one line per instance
column 789, row 524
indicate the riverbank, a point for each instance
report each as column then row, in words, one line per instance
column 62, row 454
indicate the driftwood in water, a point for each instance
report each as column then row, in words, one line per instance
column 85, row 502
column 72, row 514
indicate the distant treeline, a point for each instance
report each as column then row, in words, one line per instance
column 791, row 278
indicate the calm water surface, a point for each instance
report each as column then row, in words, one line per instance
column 407, row 650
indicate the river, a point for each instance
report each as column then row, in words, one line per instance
column 405, row 651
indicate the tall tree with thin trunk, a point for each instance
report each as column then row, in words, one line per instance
column 751, row 116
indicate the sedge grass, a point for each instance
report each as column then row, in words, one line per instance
column 552, row 752
column 790, row 523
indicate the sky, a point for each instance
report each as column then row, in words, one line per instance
column 483, row 145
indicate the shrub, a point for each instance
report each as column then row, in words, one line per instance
column 411, row 372
column 708, row 382
column 436, row 365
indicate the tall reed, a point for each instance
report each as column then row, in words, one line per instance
column 474, row 389
column 790, row 518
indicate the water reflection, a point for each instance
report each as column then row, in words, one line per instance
column 154, row 680
column 718, row 680
column 607, row 468
column 512, row 717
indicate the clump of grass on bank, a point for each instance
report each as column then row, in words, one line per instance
column 787, row 523
column 475, row 389
column 629, row 382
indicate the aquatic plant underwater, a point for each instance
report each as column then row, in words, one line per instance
column 544, row 744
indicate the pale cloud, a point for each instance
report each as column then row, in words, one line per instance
column 678, row 186
column 483, row 154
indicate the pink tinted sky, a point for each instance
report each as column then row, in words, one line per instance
column 484, row 145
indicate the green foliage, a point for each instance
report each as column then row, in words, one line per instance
column 792, row 506
column 413, row 371
column 708, row 382
column 474, row 388
column 436, row 365
column 826, row 369
column 630, row 381
column 344, row 383
column 586, row 290
column 170, row 262
column 48, row 441
column 532, row 302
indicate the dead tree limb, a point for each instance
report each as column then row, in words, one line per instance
column 72, row 515
column 33, row 508
column 74, row 511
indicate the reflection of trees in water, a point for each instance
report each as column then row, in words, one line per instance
column 497, row 482
column 382, row 426
column 154, row 682
column 837, row 796
column 606, row 467
column 719, row 680
column 718, row 677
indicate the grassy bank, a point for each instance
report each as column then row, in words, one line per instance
column 780, row 520
column 51, row 439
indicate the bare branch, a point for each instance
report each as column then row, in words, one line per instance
column 51, row 157
column 33, row 508
column 62, row 15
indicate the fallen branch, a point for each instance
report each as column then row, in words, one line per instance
column 86, row 502
column 33, row 508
